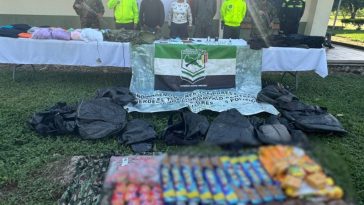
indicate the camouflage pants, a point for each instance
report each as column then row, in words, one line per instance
column 90, row 23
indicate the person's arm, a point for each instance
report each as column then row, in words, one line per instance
column 141, row 13
column 135, row 12
column 170, row 15
column 161, row 14
column 243, row 13
column 102, row 8
column 189, row 15
column 111, row 4
column 194, row 10
column 77, row 6
column 222, row 11
column 213, row 8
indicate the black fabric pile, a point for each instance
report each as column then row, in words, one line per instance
column 296, row 40
column 276, row 130
column 119, row 95
column 189, row 129
column 97, row 118
column 139, row 134
column 230, row 128
column 56, row 120
column 13, row 30
column 100, row 118
column 308, row 118
column 293, row 40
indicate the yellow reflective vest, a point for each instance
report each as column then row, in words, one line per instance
column 233, row 12
column 125, row 11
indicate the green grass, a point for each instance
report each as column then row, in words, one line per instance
column 353, row 36
column 24, row 155
column 349, row 30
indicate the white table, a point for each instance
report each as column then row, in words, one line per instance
column 295, row 60
column 75, row 53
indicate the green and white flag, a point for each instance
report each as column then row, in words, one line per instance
column 191, row 67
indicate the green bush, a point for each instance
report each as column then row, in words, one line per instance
column 356, row 22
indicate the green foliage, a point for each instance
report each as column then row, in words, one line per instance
column 352, row 6
column 24, row 155
column 356, row 22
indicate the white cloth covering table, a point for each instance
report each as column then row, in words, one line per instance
column 205, row 41
column 58, row 52
column 295, row 60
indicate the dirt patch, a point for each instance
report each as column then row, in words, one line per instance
column 347, row 41
column 7, row 188
column 59, row 172
column 354, row 69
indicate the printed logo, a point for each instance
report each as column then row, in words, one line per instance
column 193, row 63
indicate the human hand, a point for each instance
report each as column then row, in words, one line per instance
column 158, row 27
column 100, row 15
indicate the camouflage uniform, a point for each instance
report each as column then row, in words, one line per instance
column 86, row 186
column 262, row 14
column 133, row 36
column 88, row 10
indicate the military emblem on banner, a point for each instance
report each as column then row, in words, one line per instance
column 193, row 65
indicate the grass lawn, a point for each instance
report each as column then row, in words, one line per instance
column 24, row 155
column 353, row 35
column 348, row 32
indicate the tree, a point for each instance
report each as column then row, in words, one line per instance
column 352, row 5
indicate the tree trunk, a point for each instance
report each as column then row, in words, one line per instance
column 352, row 15
column 353, row 10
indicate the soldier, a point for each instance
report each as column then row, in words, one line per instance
column 126, row 13
column 290, row 15
column 232, row 15
column 90, row 12
column 263, row 14
column 203, row 12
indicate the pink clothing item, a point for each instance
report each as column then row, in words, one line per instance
column 76, row 35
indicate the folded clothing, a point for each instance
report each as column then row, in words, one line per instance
column 51, row 33
column 25, row 35
column 13, row 30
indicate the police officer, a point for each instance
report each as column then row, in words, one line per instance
column 126, row 13
column 90, row 12
column 290, row 15
column 232, row 15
